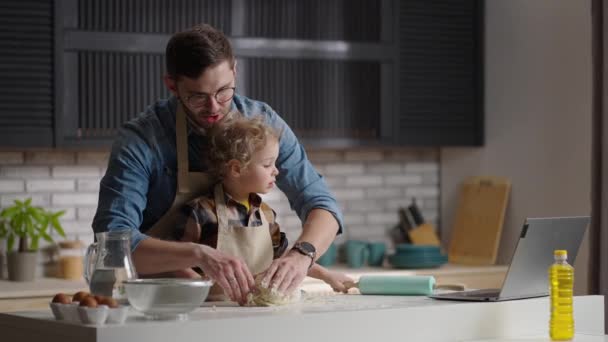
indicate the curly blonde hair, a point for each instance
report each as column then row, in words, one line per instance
column 236, row 137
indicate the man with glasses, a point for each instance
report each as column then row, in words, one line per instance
column 156, row 166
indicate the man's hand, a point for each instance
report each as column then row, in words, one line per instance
column 287, row 272
column 231, row 273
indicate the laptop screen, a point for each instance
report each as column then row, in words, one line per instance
column 527, row 275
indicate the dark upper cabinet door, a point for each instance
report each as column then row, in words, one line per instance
column 340, row 72
column 113, row 60
column 26, row 73
column 440, row 73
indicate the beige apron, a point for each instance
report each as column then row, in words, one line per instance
column 252, row 244
column 189, row 184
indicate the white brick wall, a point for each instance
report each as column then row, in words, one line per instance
column 403, row 179
column 76, row 171
column 383, row 193
column 56, row 180
column 385, row 168
column 24, row 172
column 7, row 199
column 363, row 181
column 13, row 185
column 88, row 185
column 343, row 169
column 50, row 185
column 370, row 185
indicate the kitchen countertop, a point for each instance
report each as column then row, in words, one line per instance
column 15, row 296
column 42, row 287
column 350, row 318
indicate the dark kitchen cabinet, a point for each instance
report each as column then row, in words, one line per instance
column 340, row 72
column 440, row 73
column 26, row 73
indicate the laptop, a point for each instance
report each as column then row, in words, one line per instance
column 527, row 275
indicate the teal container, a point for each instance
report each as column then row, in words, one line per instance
column 376, row 253
column 410, row 248
column 329, row 257
column 356, row 253
column 405, row 261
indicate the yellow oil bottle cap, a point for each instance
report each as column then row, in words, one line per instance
column 560, row 252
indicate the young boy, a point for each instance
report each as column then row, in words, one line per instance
column 241, row 158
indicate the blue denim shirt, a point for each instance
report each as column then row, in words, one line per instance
column 141, row 179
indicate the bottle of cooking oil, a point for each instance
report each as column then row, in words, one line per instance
column 561, row 282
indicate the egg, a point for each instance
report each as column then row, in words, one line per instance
column 61, row 298
column 80, row 295
column 109, row 301
column 89, row 302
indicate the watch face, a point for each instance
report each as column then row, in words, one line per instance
column 306, row 247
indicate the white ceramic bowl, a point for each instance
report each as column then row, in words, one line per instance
column 167, row 298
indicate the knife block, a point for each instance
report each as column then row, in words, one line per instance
column 424, row 234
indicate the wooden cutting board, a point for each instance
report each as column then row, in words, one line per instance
column 479, row 220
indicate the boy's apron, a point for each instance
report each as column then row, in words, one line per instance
column 253, row 244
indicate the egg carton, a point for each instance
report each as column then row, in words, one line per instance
column 74, row 313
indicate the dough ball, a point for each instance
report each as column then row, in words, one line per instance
column 270, row 296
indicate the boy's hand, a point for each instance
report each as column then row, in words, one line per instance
column 339, row 282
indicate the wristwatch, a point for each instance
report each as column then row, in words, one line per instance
column 306, row 248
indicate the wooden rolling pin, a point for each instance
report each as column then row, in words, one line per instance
column 400, row 285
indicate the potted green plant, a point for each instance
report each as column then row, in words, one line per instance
column 25, row 224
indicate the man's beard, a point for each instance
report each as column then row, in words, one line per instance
column 197, row 127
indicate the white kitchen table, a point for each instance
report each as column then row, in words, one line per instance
column 350, row 318
column 577, row 338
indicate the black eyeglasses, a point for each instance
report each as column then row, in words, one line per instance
column 201, row 99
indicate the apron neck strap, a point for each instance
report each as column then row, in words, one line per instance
column 220, row 205
column 181, row 144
